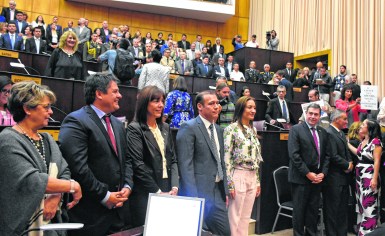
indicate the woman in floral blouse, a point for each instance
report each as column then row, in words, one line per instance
column 242, row 157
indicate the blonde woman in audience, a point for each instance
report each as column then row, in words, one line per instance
column 242, row 157
column 53, row 37
column 218, row 46
column 3, row 28
column 66, row 62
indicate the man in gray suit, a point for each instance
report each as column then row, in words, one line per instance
column 201, row 164
column 83, row 33
column 183, row 66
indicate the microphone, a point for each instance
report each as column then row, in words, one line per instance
column 61, row 111
column 266, row 94
column 267, row 123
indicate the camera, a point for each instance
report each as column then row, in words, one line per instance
column 268, row 34
column 224, row 101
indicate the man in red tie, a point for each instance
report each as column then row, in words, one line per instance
column 93, row 143
column 309, row 152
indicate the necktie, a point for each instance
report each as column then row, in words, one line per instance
column 207, row 70
column 289, row 72
column 13, row 41
column 219, row 166
column 182, row 67
column 109, row 131
column 284, row 110
column 316, row 144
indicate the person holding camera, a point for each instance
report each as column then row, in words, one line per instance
column 227, row 107
column 272, row 41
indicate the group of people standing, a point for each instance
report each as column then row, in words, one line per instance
column 114, row 169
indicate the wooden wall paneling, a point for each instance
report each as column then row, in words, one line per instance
column 143, row 20
column 243, row 28
column 119, row 16
column 23, row 5
column 73, row 10
column 227, row 44
column 53, row 8
column 41, row 9
column 96, row 13
column 166, row 23
column 242, row 9
column 208, row 28
column 187, row 26
column 229, row 29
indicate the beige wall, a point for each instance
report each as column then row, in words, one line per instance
column 354, row 30
column 144, row 22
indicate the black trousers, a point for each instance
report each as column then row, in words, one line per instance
column 335, row 205
column 306, row 200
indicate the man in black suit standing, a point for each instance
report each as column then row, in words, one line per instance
column 309, row 153
column 219, row 70
column 36, row 44
column 184, row 44
column 335, row 191
column 9, row 12
column 94, row 145
column 201, row 164
column 20, row 23
column 290, row 74
column 279, row 108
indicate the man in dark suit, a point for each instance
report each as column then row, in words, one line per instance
column 105, row 32
column 288, row 85
column 251, row 74
column 279, row 108
column 184, row 44
column 9, row 12
column 335, row 191
column 20, row 23
column 70, row 26
column 266, row 76
column 290, row 74
column 11, row 40
column 204, row 68
column 219, row 70
column 36, row 44
column 309, row 153
column 201, row 164
column 94, row 145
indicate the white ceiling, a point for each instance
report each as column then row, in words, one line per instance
column 208, row 11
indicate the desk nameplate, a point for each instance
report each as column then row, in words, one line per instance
column 7, row 53
column 284, row 136
column 20, row 78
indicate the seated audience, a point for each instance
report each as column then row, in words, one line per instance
column 245, row 92
column 66, row 62
column 175, row 51
column 237, row 75
column 147, row 39
column 350, row 106
column 3, row 28
column 227, row 107
column 219, row 70
column 233, row 96
column 39, row 174
column 36, row 44
column 197, row 60
column 230, row 63
column 266, row 76
column 251, row 74
column 5, row 91
column 167, row 60
column 160, row 41
column 151, row 148
column 184, row 44
column 178, row 106
column 205, row 53
column 39, row 22
column 279, row 108
column 11, row 40
column 27, row 33
column 190, row 52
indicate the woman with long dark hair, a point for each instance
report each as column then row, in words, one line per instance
column 242, row 158
column 151, row 148
column 367, row 176
column 6, row 117
column 350, row 106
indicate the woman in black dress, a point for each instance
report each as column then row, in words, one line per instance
column 65, row 61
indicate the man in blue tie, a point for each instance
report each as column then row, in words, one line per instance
column 204, row 68
column 11, row 40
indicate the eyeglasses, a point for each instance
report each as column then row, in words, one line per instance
column 47, row 107
column 6, row 91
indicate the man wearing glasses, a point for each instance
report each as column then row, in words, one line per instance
column 279, row 108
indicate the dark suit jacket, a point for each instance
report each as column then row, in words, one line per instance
column 196, row 160
column 220, row 47
column 292, row 75
column 30, row 46
column 180, row 45
column 59, row 29
column 289, row 89
column 7, row 13
column 103, row 35
column 5, row 42
column 215, row 70
column 201, row 71
column 303, row 153
column 87, row 148
column 49, row 37
column 148, row 166
column 339, row 159
column 274, row 111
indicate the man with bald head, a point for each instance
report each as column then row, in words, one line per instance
column 105, row 32
column 82, row 32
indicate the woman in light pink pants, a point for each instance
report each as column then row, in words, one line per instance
column 242, row 157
